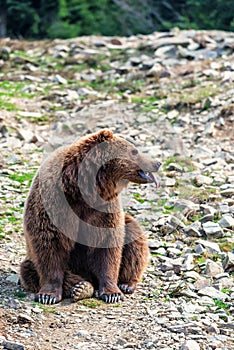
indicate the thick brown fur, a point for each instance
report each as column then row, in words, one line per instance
column 74, row 224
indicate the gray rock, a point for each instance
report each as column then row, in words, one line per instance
column 226, row 221
column 223, row 283
column 13, row 278
column 201, row 180
column 229, row 192
column 212, row 293
column 188, row 262
column 190, row 345
column 212, row 229
column 26, row 135
column 211, row 247
column 194, row 230
column 58, row 79
column 82, row 333
column 199, row 249
column 170, row 182
column 24, row 318
column 201, row 283
column 12, row 346
column 212, row 268
column 228, row 262
column 185, row 204
column 206, row 218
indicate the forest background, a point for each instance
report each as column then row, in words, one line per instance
column 38, row 19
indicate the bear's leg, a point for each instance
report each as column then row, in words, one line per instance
column 29, row 276
column 51, row 257
column 76, row 287
column 104, row 264
column 135, row 256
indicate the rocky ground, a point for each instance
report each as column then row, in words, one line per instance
column 173, row 94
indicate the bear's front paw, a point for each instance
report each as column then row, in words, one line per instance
column 47, row 299
column 82, row 290
column 111, row 298
column 126, row 288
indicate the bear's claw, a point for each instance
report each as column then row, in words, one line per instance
column 111, row 298
column 82, row 290
column 46, row 299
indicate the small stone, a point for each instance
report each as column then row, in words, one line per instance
column 212, row 229
column 170, row 182
column 12, row 346
column 193, row 275
column 228, row 262
column 223, row 283
column 229, row 192
column 201, row 283
column 82, row 333
column 211, row 247
column 227, row 221
column 24, row 318
column 213, row 328
column 199, row 249
column 13, row 278
column 25, row 135
column 190, row 345
column 194, row 230
column 175, row 167
column 201, row 180
column 212, row 293
column 188, row 263
column 206, row 218
column 58, row 79
column 213, row 268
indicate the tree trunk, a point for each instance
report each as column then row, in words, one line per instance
column 3, row 22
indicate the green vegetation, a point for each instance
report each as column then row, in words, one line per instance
column 138, row 197
column 20, row 295
column 7, row 105
column 182, row 162
column 221, row 305
column 71, row 18
column 20, row 177
column 92, row 303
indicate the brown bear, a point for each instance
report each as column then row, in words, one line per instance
column 78, row 238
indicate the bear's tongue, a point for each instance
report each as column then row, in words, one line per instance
column 148, row 177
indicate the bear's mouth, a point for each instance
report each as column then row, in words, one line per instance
column 147, row 176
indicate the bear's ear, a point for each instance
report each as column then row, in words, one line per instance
column 105, row 135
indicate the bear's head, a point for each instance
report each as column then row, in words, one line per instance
column 102, row 164
column 123, row 161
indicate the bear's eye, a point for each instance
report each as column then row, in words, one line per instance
column 134, row 152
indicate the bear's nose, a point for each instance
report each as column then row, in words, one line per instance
column 157, row 165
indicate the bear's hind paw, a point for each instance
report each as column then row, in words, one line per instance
column 82, row 290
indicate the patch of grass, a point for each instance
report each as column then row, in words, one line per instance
column 200, row 259
column 195, row 194
column 161, row 202
column 220, row 304
column 20, row 177
column 183, row 162
column 14, row 89
column 6, row 105
column 138, row 197
column 20, row 295
column 92, row 303
column 226, row 246
column 47, row 309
